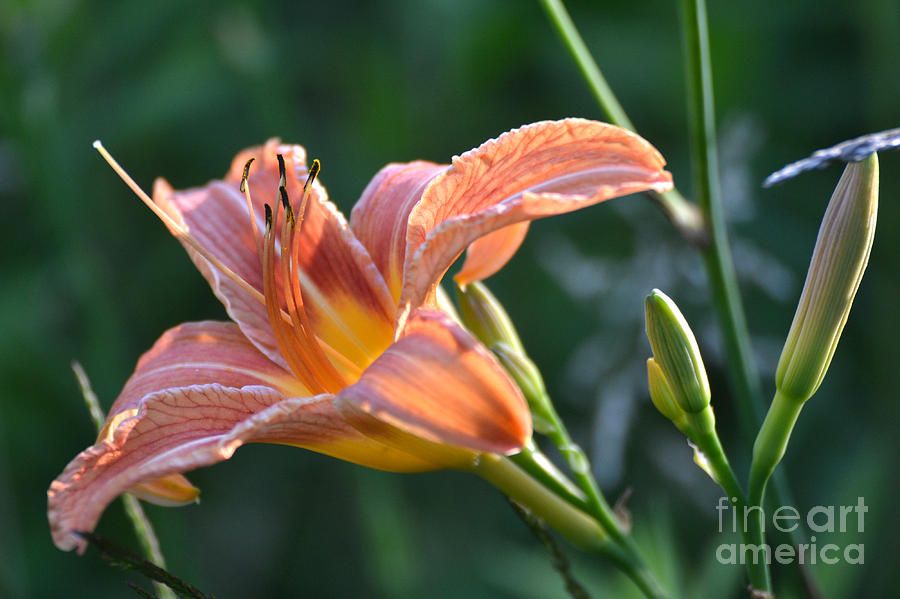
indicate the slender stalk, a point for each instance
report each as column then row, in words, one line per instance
column 628, row 559
column 719, row 266
column 533, row 461
column 682, row 214
column 711, row 447
column 560, row 561
column 579, row 528
column 768, row 451
column 143, row 529
column 622, row 549
column 580, row 467
column 717, row 257
column 557, row 12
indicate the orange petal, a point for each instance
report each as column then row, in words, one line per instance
column 181, row 429
column 169, row 491
column 438, row 383
column 197, row 353
column 380, row 216
column 539, row 170
column 349, row 305
column 490, row 253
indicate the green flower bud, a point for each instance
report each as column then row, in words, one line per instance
column 484, row 315
column 661, row 394
column 676, row 353
column 527, row 376
column 835, row 271
column 692, row 424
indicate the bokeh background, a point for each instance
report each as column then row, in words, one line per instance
column 175, row 89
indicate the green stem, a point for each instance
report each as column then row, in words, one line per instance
column 771, row 443
column 557, row 12
column 576, row 526
column 628, row 559
column 139, row 521
column 533, row 461
column 711, row 447
column 682, row 214
column 768, row 450
column 560, row 561
column 622, row 550
column 717, row 256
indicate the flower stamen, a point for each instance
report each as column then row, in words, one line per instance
column 309, row 344
column 178, row 230
column 281, row 329
column 245, row 189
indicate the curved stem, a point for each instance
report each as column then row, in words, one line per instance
column 717, row 256
column 576, row 526
column 768, row 450
column 589, row 69
column 533, row 461
column 627, row 558
column 621, row 549
column 711, row 447
column 681, row 213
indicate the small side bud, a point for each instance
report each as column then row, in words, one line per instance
column 835, row 271
column 661, row 394
column 676, row 353
column 692, row 424
column 527, row 376
column 483, row 314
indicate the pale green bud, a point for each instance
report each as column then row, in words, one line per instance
column 661, row 393
column 692, row 424
column 835, row 271
column 527, row 376
column 676, row 353
column 484, row 315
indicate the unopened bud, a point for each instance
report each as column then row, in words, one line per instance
column 835, row 271
column 692, row 424
column 661, row 394
column 527, row 376
column 676, row 353
column 485, row 317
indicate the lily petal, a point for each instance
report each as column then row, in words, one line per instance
column 344, row 294
column 380, row 216
column 181, row 429
column 197, row 353
column 437, row 383
column 538, row 170
column 490, row 253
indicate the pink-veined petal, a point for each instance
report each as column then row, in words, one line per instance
column 197, row 353
column 538, row 170
column 194, row 353
column 437, row 383
column 379, row 217
column 177, row 430
column 349, row 305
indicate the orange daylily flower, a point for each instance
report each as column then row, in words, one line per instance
column 337, row 343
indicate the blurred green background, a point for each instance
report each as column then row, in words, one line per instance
column 175, row 89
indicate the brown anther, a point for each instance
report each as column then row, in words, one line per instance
column 313, row 173
column 246, row 174
column 288, row 211
column 281, row 182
